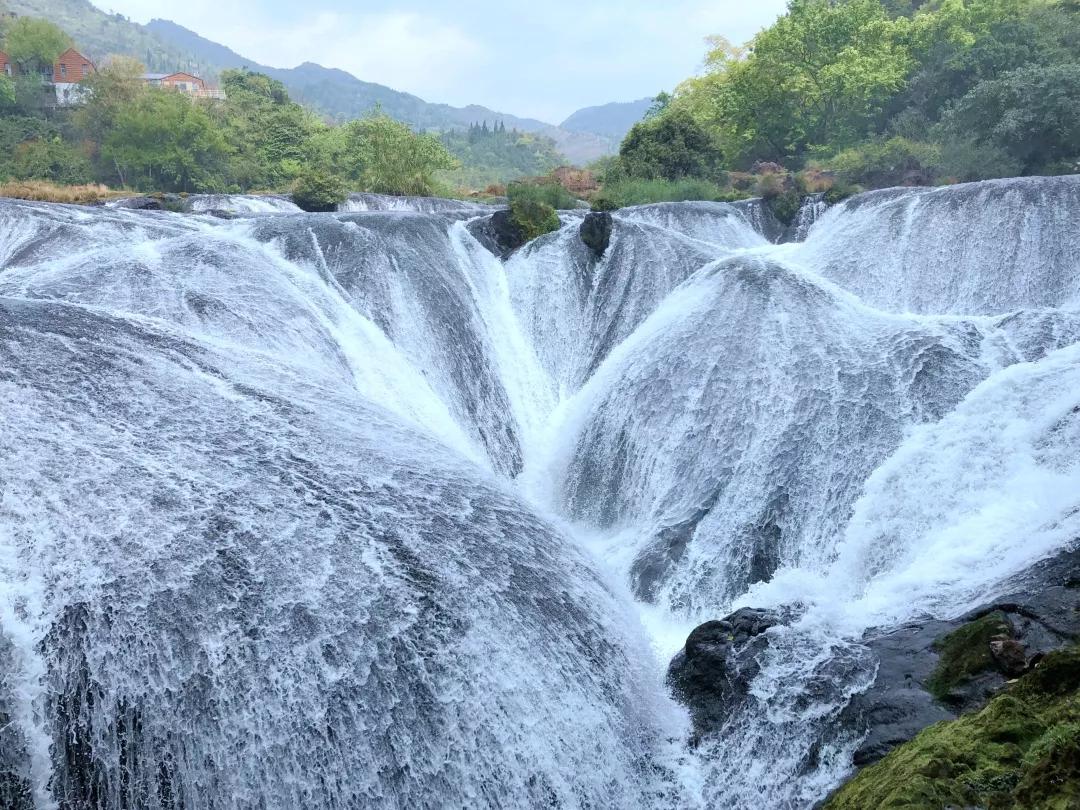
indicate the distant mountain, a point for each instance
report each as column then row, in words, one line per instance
column 609, row 120
column 166, row 46
column 342, row 96
column 98, row 34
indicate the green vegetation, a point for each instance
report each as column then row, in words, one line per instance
column 875, row 93
column 34, row 44
column 637, row 191
column 496, row 155
column 150, row 139
column 965, row 652
column 318, row 190
column 533, row 207
column 1022, row 752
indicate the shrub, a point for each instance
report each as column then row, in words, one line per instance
column 545, row 192
column 840, row 192
column 669, row 146
column 772, row 185
column 317, row 190
column 534, row 218
column 628, row 192
column 893, row 162
column 51, row 159
column 785, row 206
column 965, row 160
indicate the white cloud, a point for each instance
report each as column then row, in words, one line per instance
column 520, row 56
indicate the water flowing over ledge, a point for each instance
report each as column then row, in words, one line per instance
column 341, row 511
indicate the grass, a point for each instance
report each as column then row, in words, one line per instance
column 1022, row 752
column 623, row 193
column 551, row 194
column 44, row 191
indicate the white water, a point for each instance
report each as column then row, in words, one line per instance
column 338, row 511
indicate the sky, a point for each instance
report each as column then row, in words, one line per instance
column 543, row 59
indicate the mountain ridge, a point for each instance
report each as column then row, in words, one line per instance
column 163, row 45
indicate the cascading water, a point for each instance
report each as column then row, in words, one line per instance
column 339, row 511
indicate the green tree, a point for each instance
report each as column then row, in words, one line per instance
column 269, row 133
column 670, row 146
column 7, row 92
column 34, row 44
column 162, row 141
column 51, row 159
column 1032, row 113
column 385, row 156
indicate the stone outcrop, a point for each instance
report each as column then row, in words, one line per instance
column 596, row 230
column 498, row 233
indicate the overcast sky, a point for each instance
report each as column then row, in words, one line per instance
column 543, row 59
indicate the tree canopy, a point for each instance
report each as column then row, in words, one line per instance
column 34, row 44
column 934, row 89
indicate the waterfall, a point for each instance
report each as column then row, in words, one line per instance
column 341, row 511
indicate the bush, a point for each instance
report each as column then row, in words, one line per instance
column 547, row 193
column 534, row 218
column 893, row 162
column 964, row 161
column 840, row 192
column 785, row 206
column 623, row 193
column 317, row 190
column 670, row 146
column 51, row 159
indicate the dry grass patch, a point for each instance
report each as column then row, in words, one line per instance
column 43, row 191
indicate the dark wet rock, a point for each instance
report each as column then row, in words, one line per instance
column 139, row 204
column 1010, row 656
column 596, row 230
column 719, row 661
column 912, row 691
column 220, row 213
column 154, row 202
column 498, row 233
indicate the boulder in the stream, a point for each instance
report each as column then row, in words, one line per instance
column 596, row 231
column 717, row 664
column 499, row 233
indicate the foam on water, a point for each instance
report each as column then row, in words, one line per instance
column 339, row 511
column 975, row 249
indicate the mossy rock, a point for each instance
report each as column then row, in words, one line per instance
column 534, row 218
column 1022, row 752
column 318, row 191
column 965, row 653
column 785, row 206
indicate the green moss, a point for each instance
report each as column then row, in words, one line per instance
column 1022, row 752
column 840, row 192
column 534, row 218
column 785, row 206
column 965, row 653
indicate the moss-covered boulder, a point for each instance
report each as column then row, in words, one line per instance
column 1021, row 752
column 533, row 217
column 318, row 191
column 966, row 654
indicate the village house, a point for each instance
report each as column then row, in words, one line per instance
column 186, row 83
column 70, row 70
column 65, row 76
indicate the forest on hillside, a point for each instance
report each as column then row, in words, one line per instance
column 874, row 93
